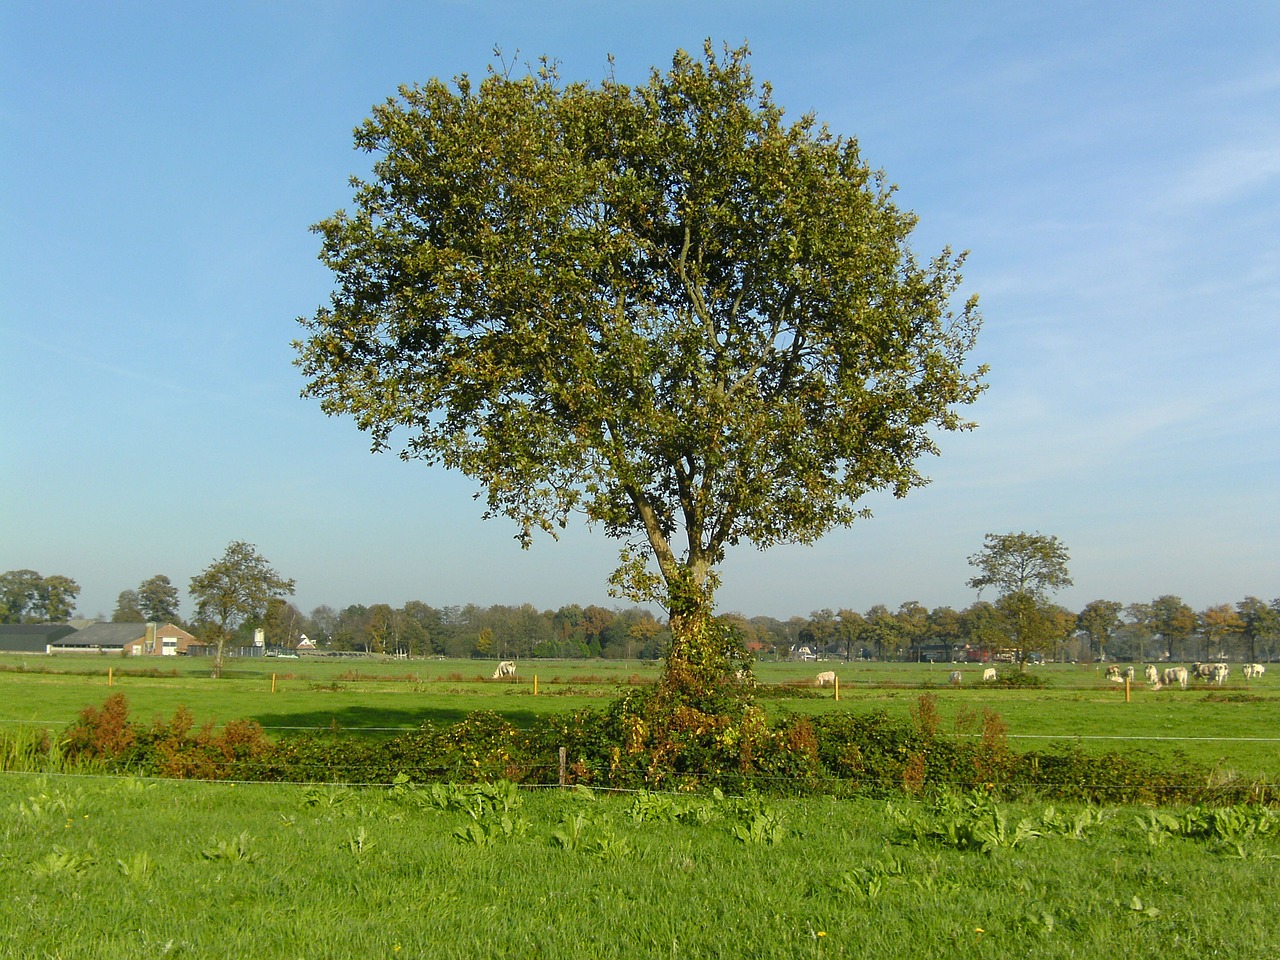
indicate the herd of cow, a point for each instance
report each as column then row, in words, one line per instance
column 1216, row 673
column 1156, row 679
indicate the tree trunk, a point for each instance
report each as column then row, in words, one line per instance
column 217, row 656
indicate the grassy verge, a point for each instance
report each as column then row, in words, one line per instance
column 130, row 869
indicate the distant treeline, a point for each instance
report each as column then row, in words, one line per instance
column 1164, row 629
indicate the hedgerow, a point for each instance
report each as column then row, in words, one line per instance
column 645, row 740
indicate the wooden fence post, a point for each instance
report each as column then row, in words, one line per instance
column 837, row 688
column 562, row 758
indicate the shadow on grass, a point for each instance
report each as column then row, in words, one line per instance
column 378, row 721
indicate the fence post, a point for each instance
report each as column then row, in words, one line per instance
column 837, row 688
column 535, row 684
column 273, row 683
column 1126, row 689
column 562, row 758
column 111, row 676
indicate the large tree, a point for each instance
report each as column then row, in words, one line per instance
column 1099, row 621
column 659, row 306
column 158, row 598
column 1025, row 568
column 235, row 589
column 1173, row 622
column 28, row 597
column 128, row 608
column 1260, row 622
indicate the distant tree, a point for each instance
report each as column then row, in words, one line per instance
column 1025, row 568
column 233, row 590
column 158, row 599
column 944, row 625
column 658, row 306
column 1138, row 628
column 1219, row 625
column 883, row 631
column 913, row 622
column 321, row 624
column 128, row 608
column 423, row 626
column 981, row 627
column 283, row 623
column 28, row 597
column 1173, row 622
column 58, row 598
column 821, row 630
column 1098, row 622
column 851, row 628
column 19, row 595
column 349, row 629
column 1029, row 563
column 1259, row 622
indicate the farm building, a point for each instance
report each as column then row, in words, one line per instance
column 133, row 639
column 31, row 637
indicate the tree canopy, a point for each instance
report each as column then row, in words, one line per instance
column 1028, row 563
column 658, row 306
column 234, row 589
column 28, row 597
column 1025, row 568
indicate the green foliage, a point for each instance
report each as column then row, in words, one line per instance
column 659, row 306
column 233, row 590
column 61, row 864
column 235, row 850
column 969, row 821
column 648, row 740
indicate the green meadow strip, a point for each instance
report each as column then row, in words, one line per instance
column 132, row 868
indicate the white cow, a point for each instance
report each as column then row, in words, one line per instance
column 1176, row 675
column 989, row 675
column 1220, row 671
column 507, row 668
column 1129, row 674
column 1113, row 673
column 955, row 678
column 1252, row 670
column 1151, row 674
column 827, row 678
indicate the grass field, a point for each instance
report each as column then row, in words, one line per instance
column 1236, row 727
column 125, row 868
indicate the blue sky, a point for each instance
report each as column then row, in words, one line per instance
column 1113, row 169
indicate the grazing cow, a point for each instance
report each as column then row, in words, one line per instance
column 1252, row 670
column 1113, row 673
column 1151, row 674
column 1129, row 674
column 827, row 678
column 1176, row 675
column 507, row 668
column 989, row 675
column 1202, row 671
column 1220, row 671
column 955, row 678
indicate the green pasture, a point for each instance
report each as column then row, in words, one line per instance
column 126, row 868
column 1236, row 727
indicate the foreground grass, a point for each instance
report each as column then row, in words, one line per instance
column 98, row 867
